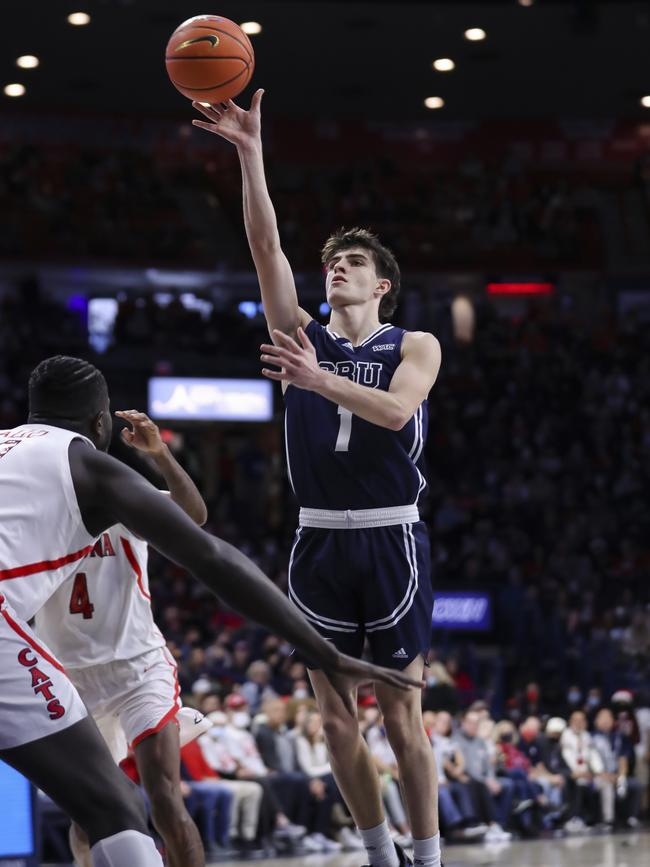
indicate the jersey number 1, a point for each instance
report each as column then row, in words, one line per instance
column 79, row 600
column 345, row 429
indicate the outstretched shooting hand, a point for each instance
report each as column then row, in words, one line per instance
column 234, row 124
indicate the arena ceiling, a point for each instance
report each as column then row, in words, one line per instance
column 323, row 57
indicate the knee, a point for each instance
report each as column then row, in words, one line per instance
column 340, row 731
column 111, row 812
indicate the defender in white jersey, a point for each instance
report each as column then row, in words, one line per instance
column 42, row 540
column 59, row 493
column 100, row 625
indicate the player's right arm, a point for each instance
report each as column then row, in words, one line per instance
column 277, row 284
column 109, row 492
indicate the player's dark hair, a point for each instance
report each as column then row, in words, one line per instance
column 385, row 262
column 62, row 387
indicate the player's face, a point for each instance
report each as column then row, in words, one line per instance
column 352, row 278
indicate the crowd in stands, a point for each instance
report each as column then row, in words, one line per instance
column 259, row 782
column 155, row 206
column 262, row 781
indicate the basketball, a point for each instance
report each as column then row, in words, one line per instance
column 209, row 58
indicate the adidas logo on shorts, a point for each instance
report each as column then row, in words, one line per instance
column 400, row 654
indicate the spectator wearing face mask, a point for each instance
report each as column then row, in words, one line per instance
column 573, row 700
column 241, row 747
column 615, row 749
column 214, row 799
column 515, row 765
column 547, row 768
column 588, row 770
column 247, row 794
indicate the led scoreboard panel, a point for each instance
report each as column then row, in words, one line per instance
column 469, row 610
column 176, row 398
column 17, row 820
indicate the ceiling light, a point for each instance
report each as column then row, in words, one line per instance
column 434, row 102
column 27, row 61
column 251, row 28
column 14, row 89
column 525, row 2
column 645, row 101
column 444, row 64
column 78, row 19
column 475, row 34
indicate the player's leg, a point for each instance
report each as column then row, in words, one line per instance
column 146, row 704
column 400, row 604
column 322, row 586
column 324, row 571
column 90, row 683
column 352, row 765
column 75, row 768
column 158, row 760
column 417, row 770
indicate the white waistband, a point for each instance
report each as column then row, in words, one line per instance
column 358, row 519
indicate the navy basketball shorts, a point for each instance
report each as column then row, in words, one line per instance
column 374, row 583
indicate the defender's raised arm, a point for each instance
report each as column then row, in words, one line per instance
column 109, row 492
column 242, row 128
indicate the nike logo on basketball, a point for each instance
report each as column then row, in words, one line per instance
column 400, row 654
column 213, row 40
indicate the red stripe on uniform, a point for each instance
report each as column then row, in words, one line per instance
column 30, row 640
column 169, row 716
column 44, row 565
column 133, row 560
column 171, row 713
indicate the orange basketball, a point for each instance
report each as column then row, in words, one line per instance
column 209, row 58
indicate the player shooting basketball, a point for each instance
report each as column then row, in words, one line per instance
column 356, row 421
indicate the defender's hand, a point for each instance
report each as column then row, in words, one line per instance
column 231, row 122
column 143, row 435
column 350, row 673
column 298, row 362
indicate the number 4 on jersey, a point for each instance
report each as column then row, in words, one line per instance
column 79, row 600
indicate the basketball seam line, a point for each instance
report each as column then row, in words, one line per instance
column 210, row 57
column 219, row 30
column 212, row 86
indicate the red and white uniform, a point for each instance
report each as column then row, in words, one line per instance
column 42, row 541
column 100, row 625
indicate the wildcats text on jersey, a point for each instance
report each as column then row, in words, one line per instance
column 41, row 683
column 103, row 547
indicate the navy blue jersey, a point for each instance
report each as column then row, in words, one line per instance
column 336, row 460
